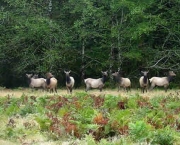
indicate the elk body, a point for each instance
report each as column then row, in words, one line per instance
column 162, row 81
column 51, row 83
column 35, row 82
column 69, row 81
column 143, row 81
column 96, row 83
column 122, row 82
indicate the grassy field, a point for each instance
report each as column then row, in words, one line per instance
column 19, row 92
column 108, row 117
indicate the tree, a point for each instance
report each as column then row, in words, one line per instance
column 87, row 37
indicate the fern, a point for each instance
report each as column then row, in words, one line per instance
column 132, row 103
column 139, row 131
column 164, row 137
column 43, row 122
column 27, row 109
column 12, row 108
column 110, row 101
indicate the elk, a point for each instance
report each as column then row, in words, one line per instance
column 36, row 82
column 96, row 83
column 51, row 83
column 143, row 81
column 69, row 81
column 162, row 81
column 122, row 82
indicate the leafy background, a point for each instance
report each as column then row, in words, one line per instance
column 87, row 37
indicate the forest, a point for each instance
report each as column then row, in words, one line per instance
column 87, row 37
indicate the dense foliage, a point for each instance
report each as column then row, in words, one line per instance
column 103, row 119
column 87, row 36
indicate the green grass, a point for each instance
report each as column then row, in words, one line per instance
column 102, row 119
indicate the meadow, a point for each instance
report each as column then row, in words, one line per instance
column 93, row 118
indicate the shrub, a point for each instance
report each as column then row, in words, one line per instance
column 140, row 131
column 164, row 137
column 110, row 101
column 43, row 122
column 27, row 109
column 132, row 103
column 12, row 108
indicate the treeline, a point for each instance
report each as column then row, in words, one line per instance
column 87, row 36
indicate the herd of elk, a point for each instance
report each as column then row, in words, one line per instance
column 50, row 83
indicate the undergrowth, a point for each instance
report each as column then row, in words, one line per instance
column 89, row 119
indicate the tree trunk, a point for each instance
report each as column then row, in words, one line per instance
column 82, row 63
column 111, row 59
column 119, row 39
column 50, row 8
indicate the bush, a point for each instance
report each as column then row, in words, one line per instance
column 140, row 131
column 164, row 137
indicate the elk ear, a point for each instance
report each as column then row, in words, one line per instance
column 69, row 71
column 65, row 72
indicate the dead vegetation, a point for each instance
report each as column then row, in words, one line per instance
column 38, row 117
